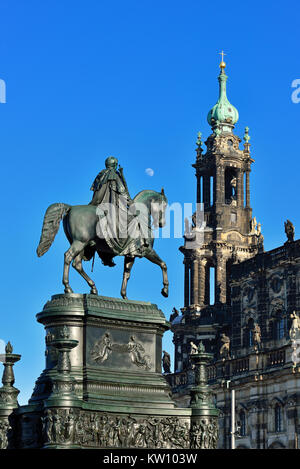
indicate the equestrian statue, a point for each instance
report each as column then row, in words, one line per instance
column 112, row 224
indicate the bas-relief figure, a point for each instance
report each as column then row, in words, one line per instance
column 4, row 429
column 102, row 348
column 204, row 434
column 112, row 225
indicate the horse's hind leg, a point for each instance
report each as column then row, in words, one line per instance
column 75, row 248
column 77, row 264
column 154, row 257
column 128, row 263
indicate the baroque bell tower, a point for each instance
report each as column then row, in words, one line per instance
column 223, row 230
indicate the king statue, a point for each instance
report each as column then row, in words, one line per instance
column 110, row 184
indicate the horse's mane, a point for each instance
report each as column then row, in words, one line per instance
column 140, row 194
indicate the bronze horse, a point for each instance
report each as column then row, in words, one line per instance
column 80, row 226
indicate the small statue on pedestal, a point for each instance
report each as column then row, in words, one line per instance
column 194, row 348
column 289, row 230
column 224, row 350
column 257, row 336
column 166, row 362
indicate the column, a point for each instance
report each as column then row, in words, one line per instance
column 195, row 285
column 206, row 190
column 186, row 283
column 240, row 189
column 220, row 283
column 247, row 189
column 202, row 279
column 219, row 185
column 207, row 285
column 198, row 188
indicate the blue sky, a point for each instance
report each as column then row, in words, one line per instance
column 133, row 79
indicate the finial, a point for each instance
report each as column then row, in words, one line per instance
column 199, row 141
column 199, row 148
column 246, row 135
column 8, row 348
column 201, row 348
column 222, row 64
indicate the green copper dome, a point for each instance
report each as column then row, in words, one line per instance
column 223, row 115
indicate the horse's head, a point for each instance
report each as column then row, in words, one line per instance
column 158, row 209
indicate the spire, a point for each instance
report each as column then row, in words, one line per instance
column 223, row 115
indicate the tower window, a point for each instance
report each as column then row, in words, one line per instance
column 278, row 418
column 248, row 334
column 212, row 275
column 211, row 191
column 242, row 423
column 230, row 186
column 280, row 328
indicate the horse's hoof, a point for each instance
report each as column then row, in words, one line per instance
column 165, row 292
column 68, row 290
column 94, row 291
column 123, row 295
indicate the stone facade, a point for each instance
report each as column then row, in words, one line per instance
column 263, row 362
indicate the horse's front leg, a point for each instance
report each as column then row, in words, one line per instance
column 154, row 257
column 128, row 263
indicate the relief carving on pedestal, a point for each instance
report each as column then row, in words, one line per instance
column 104, row 347
column 4, row 429
column 204, row 434
column 84, row 428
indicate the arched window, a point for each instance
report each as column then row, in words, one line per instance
column 248, row 334
column 278, row 418
column 280, row 328
column 230, row 185
column 242, row 423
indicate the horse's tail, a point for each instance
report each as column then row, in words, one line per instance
column 53, row 215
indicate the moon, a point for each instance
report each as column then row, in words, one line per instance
column 149, row 172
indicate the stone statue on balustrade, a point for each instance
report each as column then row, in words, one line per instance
column 225, row 347
column 289, row 231
column 166, row 362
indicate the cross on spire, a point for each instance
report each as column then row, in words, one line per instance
column 222, row 64
column 222, row 54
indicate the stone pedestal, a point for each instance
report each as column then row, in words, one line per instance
column 8, row 399
column 102, row 385
column 204, row 419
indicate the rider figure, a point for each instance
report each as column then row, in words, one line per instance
column 110, row 184
column 111, row 193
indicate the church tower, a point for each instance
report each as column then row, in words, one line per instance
column 222, row 233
